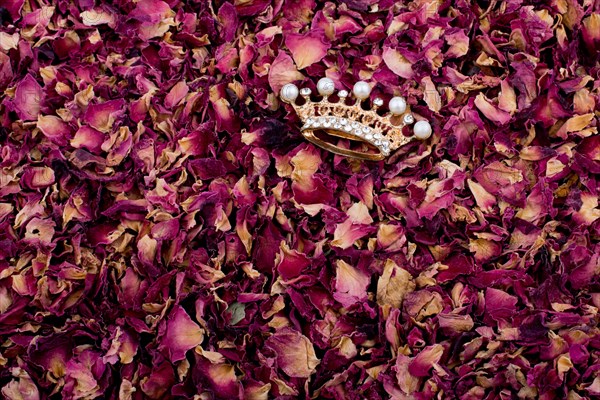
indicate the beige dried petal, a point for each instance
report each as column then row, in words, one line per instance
column 257, row 392
column 8, row 42
column 431, row 95
column 507, row 100
column 583, row 102
column 563, row 365
column 393, row 285
column 407, row 382
column 485, row 200
column 575, row 124
column 97, row 17
column 350, row 284
column 456, row 323
column 397, row 63
column 554, row 167
column 295, row 353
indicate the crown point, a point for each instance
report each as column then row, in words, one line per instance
column 325, row 86
column 422, row 130
column 397, row 105
column 289, row 92
column 361, row 90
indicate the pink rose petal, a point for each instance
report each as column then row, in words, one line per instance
column 181, row 334
column 307, row 48
column 28, row 98
column 294, row 352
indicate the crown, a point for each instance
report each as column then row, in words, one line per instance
column 347, row 119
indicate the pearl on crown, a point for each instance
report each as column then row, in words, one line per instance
column 361, row 90
column 325, row 86
column 289, row 92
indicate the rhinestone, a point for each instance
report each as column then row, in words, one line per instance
column 409, row 119
column 366, row 129
column 369, row 136
column 377, row 136
column 347, row 128
column 358, row 132
column 310, row 121
column 305, row 91
column 343, row 121
column 342, row 94
column 337, row 126
column 378, row 102
column 378, row 143
column 327, row 124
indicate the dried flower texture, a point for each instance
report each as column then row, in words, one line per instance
column 166, row 233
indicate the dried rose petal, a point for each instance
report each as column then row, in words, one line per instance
column 295, row 353
column 181, row 334
column 307, row 49
column 28, row 98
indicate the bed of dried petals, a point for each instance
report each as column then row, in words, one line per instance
column 166, row 233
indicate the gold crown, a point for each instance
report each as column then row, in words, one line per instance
column 382, row 133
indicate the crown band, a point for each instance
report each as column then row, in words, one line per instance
column 350, row 121
column 309, row 135
column 343, row 128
